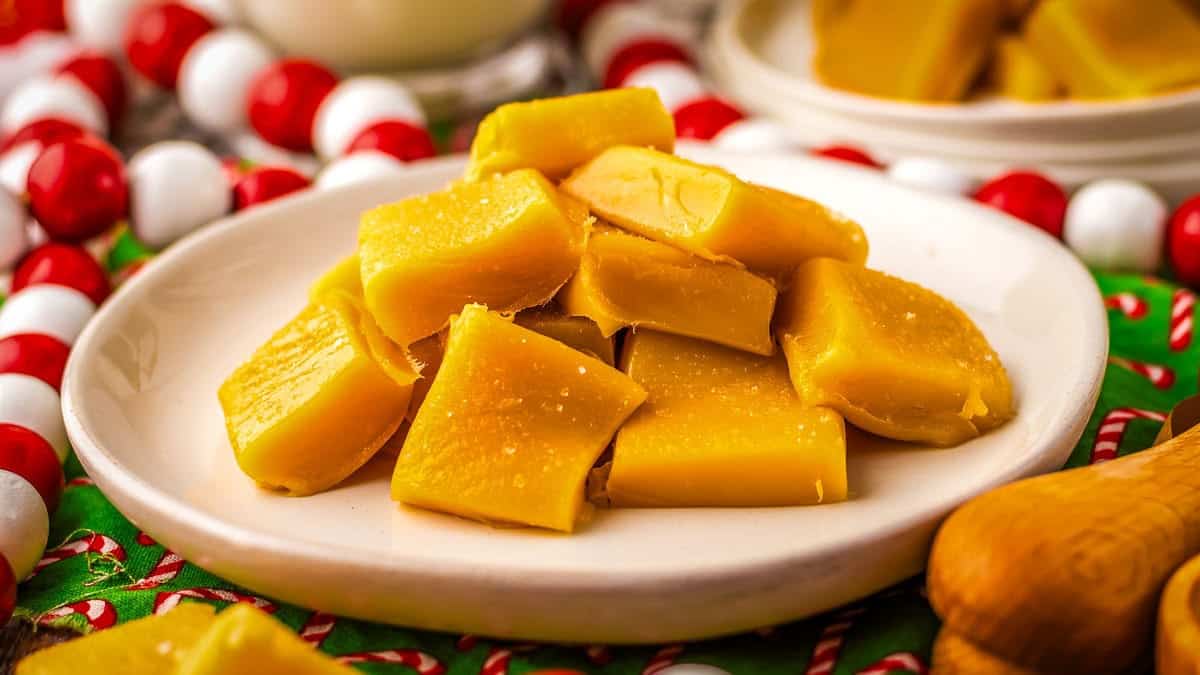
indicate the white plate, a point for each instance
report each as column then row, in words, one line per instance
column 141, row 409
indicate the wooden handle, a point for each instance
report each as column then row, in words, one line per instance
column 1062, row 573
column 1178, row 647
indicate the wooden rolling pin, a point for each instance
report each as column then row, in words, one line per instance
column 1062, row 573
column 1178, row 649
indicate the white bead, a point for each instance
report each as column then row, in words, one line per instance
column 692, row 669
column 676, row 83
column 14, row 239
column 617, row 24
column 1116, row 225
column 29, row 402
column 14, row 166
column 357, row 167
column 756, row 134
column 357, row 103
column 51, row 96
column 36, row 53
column 49, row 309
column 249, row 145
column 99, row 24
column 24, row 523
column 934, row 175
column 215, row 76
column 174, row 188
column 220, row 12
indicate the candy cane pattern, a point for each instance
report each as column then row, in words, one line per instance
column 318, row 627
column 1183, row 302
column 92, row 543
column 466, row 643
column 166, row 569
column 100, row 614
column 1162, row 377
column 1112, row 430
column 419, row 661
column 496, row 662
column 1132, row 306
column 82, row 481
column 144, row 539
column 166, row 601
column 900, row 661
column 662, row 658
column 829, row 645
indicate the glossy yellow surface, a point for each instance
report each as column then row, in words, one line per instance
column 710, row 212
column 1017, row 73
column 246, row 641
column 558, row 134
column 344, row 276
column 1117, row 48
column 318, row 399
column 577, row 332
column 894, row 358
column 504, row 242
column 511, row 427
column 721, row 428
column 922, row 50
column 149, row 646
column 627, row 280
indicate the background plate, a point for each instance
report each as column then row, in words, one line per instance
column 141, row 408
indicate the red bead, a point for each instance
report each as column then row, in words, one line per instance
column 8, row 590
column 103, row 77
column 41, row 14
column 77, row 188
column 283, row 101
column 1028, row 196
column 44, row 132
column 847, row 153
column 158, row 35
column 265, row 183
column 29, row 456
column 704, row 118
column 404, row 141
column 36, row 355
column 65, row 265
column 573, row 15
column 639, row 53
column 1183, row 242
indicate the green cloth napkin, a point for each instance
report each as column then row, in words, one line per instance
column 104, row 570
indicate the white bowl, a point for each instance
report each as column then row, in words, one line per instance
column 140, row 405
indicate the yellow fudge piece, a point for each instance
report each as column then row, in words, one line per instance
column 894, row 358
column 247, row 641
column 149, row 646
column 318, row 399
column 1117, row 48
column 511, row 427
column 1016, row 72
column 721, row 427
column 426, row 356
column 710, row 212
column 626, row 280
column 922, row 50
column 344, row 276
column 504, row 242
column 577, row 332
column 825, row 12
column 556, row 135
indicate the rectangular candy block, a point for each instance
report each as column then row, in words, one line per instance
column 511, row 427
column 505, row 242
column 921, row 50
column 558, row 134
column 1117, row 48
column 1017, row 73
column 576, row 332
column 245, row 640
column 710, row 212
column 894, row 358
column 149, row 646
column 344, row 276
column 626, row 280
column 721, row 427
column 317, row 400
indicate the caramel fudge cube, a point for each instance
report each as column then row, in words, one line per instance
column 894, row 358
column 511, row 427
column 577, row 332
column 245, row 640
column 1017, row 73
column 344, row 277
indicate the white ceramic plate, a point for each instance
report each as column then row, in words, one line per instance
column 141, row 409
